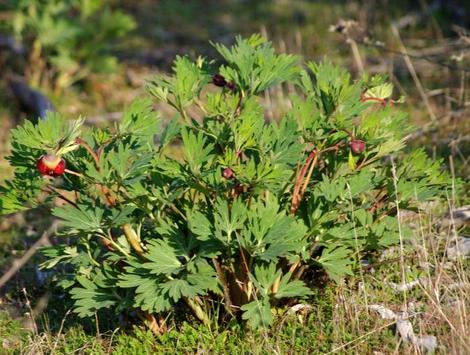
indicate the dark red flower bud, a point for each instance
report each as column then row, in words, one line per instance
column 231, row 86
column 228, row 173
column 237, row 190
column 357, row 146
column 219, row 80
column 51, row 165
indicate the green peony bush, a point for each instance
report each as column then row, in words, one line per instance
column 227, row 226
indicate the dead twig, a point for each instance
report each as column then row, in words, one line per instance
column 19, row 263
column 414, row 75
column 351, row 29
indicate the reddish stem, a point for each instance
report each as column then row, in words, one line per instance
column 383, row 102
column 107, row 194
column 296, row 196
column 379, row 202
column 89, row 150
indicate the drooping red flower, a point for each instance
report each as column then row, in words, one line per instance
column 51, row 165
column 219, row 80
column 228, row 173
column 357, row 146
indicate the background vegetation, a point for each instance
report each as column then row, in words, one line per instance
column 422, row 46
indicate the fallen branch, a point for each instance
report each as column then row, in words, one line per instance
column 19, row 263
column 30, row 100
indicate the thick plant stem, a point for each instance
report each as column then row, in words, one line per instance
column 276, row 283
column 247, row 285
column 133, row 239
column 309, row 175
column 300, row 187
column 220, row 273
column 296, row 195
column 301, row 182
column 157, row 328
column 198, row 311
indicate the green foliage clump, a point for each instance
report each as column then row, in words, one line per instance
column 67, row 40
column 230, row 229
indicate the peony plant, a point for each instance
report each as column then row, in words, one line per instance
column 219, row 212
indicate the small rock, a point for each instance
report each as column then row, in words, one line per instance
column 300, row 307
column 457, row 217
column 406, row 286
column 384, row 312
column 460, row 249
column 428, row 342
